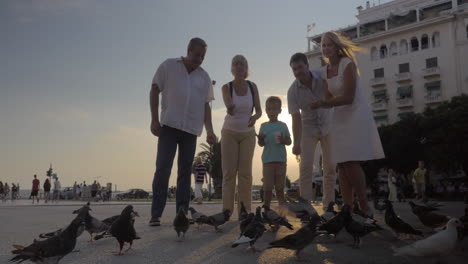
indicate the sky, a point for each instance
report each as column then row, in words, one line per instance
column 75, row 76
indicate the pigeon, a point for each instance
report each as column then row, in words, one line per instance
column 300, row 209
column 246, row 222
column 274, row 219
column 334, row 225
column 198, row 217
column 299, row 240
column 463, row 229
column 80, row 213
column 94, row 225
column 252, row 232
column 110, row 220
column 219, row 219
column 123, row 228
column 377, row 206
column 181, row 223
column 355, row 228
column 51, row 250
column 396, row 223
column 441, row 243
column 417, row 209
column 330, row 213
column 243, row 212
column 429, row 218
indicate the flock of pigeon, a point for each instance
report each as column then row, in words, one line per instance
column 446, row 232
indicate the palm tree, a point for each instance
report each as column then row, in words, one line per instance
column 211, row 158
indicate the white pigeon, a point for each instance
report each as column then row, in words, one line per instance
column 441, row 243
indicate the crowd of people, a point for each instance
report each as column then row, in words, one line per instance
column 7, row 192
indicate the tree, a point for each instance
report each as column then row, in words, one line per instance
column 211, row 158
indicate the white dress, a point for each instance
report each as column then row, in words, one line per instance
column 354, row 135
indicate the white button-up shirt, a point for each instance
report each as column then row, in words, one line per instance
column 315, row 122
column 183, row 95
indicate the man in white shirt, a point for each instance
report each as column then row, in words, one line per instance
column 186, row 92
column 310, row 127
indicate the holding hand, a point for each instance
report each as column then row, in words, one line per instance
column 296, row 150
column 316, row 105
column 261, row 139
column 210, row 137
column 252, row 121
column 284, row 140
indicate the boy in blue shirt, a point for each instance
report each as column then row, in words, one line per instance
column 274, row 135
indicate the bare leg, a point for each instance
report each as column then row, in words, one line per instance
column 345, row 185
column 358, row 181
column 267, row 198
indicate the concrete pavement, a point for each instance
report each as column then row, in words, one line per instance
column 22, row 222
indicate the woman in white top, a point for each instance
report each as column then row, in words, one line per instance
column 238, row 134
column 392, row 189
column 354, row 135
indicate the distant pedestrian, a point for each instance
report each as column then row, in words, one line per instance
column 199, row 171
column 419, row 178
column 47, row 187
column 35, row 189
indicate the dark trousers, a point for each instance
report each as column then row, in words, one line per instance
column 169, row 139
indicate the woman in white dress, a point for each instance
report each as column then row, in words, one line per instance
column 354, row 135
column 392, row 189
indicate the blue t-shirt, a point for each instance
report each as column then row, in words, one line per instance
column 273, row 151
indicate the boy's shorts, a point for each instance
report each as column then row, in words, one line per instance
column 274, row 175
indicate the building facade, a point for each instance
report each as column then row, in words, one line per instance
column 416, row 54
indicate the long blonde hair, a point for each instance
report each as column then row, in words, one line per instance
column 346, row 48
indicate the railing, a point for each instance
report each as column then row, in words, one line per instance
column 377, row 81
column 379, row 106
column 433, row 98
column 431, row 71
column 405, row 102
column 403, row 76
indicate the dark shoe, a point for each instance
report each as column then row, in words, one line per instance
column 155, row 221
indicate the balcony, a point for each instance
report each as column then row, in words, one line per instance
column 379, row 81
column 379, row 106
column 433, row 98
column 429, row 72
column 403, row 76
column 405, row 102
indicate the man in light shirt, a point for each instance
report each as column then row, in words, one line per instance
column 309, row 128
column 186, row 92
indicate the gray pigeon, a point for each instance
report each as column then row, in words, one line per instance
column 123, row 228
column 274, row 219
column 246, row 222
column 330, row 213
column 252, row 232
column 355, row 228
column 299, row 240
column 301, row 209
column 396, row 223
column 181, row 223
column 80, row 213
column 51, row 250
column 198, row 217
column 219, row 219
column 428, row 217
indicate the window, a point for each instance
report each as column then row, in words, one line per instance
column 403, row 46
column 433, row 88
column 405, row 92
column 435, row 39
column 414, row 44
column 379, row 73
column 374, row 54
column 380, row 96
column 431, row 63
column 404, row 67
column 424, row 42
column 383, row 51
column 393, row 49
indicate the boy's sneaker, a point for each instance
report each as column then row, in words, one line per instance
column 155, row 221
